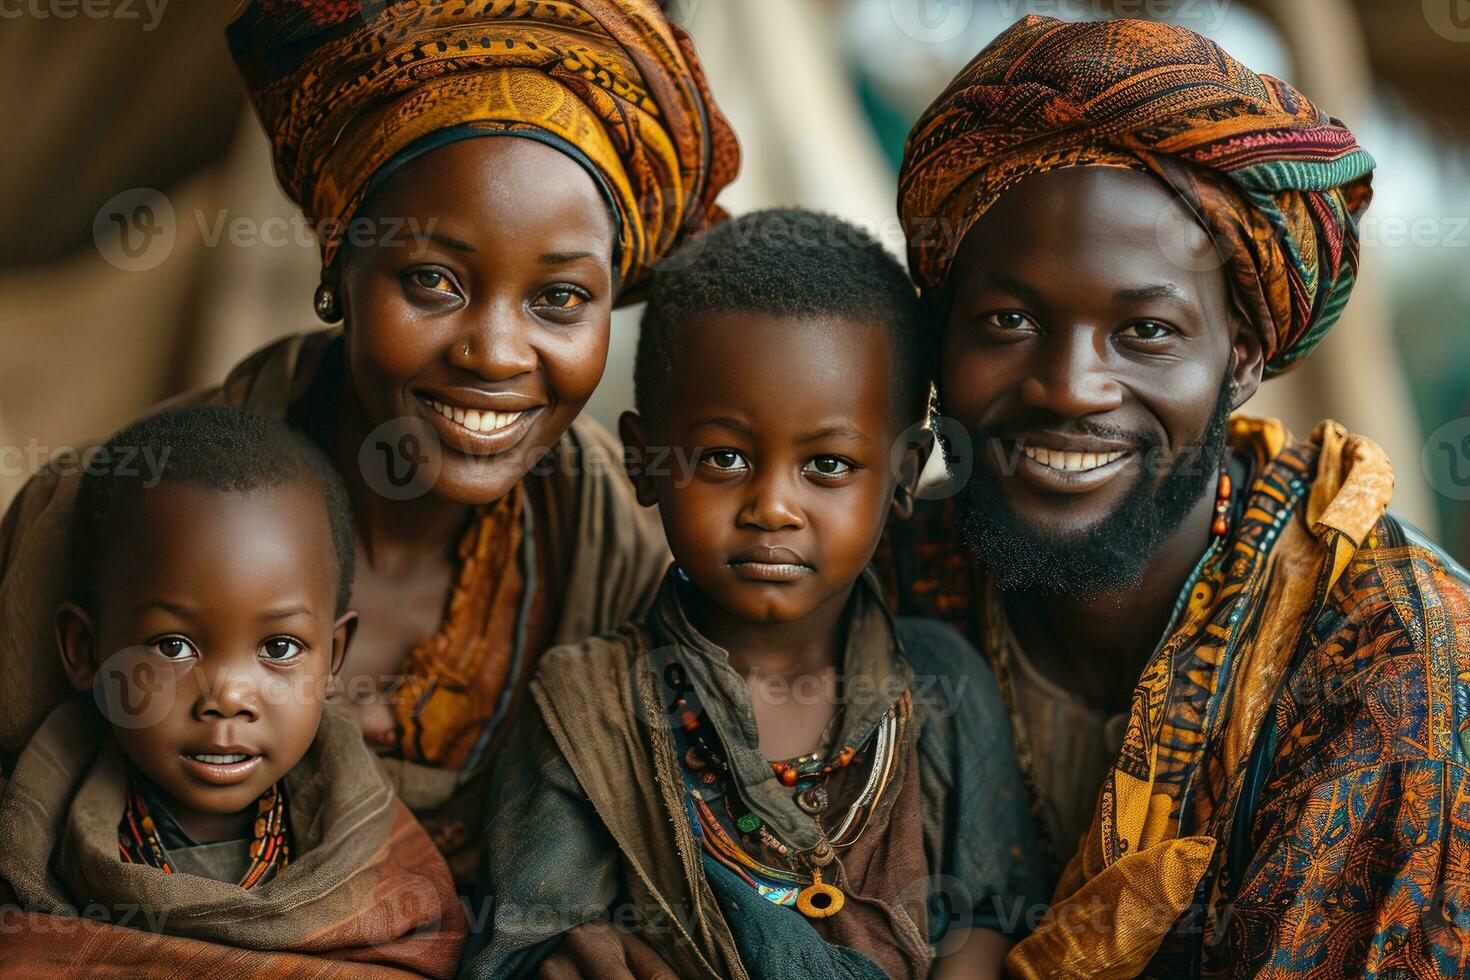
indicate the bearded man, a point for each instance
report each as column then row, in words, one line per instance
column 1240, row 685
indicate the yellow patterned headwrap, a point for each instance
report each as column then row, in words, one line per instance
column 343, row 87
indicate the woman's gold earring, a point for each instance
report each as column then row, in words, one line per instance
column 327, row 307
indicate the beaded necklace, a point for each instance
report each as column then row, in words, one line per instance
column 139, row 843
column 707, row 775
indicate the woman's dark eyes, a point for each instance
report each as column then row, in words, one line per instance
column 562, row 297
column 431, row 280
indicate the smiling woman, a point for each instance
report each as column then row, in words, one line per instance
column 491, row 522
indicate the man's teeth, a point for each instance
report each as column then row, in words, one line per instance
column 1059, row 459
column 474, row 419
column 220, row 760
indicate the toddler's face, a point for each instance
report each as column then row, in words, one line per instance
column 781, row 473
column 215, row 637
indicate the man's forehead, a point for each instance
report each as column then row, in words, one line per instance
column 1129, row 231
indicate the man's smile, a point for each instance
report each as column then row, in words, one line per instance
column 1062, row 464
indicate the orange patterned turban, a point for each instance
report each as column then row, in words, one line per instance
column 343, row 87
column 1278, row 183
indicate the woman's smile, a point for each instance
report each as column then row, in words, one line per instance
column 488, row 426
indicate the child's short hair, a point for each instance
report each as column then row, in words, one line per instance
column 786, row 262
column 217, row 447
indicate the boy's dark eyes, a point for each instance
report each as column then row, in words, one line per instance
column 1008, row 321
column 276, row 648
column 282, row 648
column 175, row 648
column 829, row 466
column 822, row 467
column 727, row 460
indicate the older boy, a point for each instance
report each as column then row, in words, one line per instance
column 769, row 776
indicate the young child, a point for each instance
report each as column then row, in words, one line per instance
column 768, row 777
column 197, row 808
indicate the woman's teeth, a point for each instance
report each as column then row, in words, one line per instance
column 474, row 419
column 219, row 760
column 1058, row 459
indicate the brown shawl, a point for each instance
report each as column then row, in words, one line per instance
column 365, row 884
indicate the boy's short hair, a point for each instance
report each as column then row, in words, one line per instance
column 786, row 262
column 217, row 447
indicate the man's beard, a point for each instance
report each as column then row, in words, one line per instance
column 1112, row 554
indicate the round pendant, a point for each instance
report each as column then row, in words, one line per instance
column 818, row 900
column 814, row 800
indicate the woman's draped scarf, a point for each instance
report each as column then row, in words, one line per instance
column 344, row 86
column 1278, row 183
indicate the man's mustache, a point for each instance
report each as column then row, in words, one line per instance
column 1010, row 431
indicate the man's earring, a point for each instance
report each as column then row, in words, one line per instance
column 903, row 500
column 1221, row 524
column 327, row 307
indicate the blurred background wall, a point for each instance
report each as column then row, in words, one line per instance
column 134, row 121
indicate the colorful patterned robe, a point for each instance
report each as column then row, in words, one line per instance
column 1292, row 798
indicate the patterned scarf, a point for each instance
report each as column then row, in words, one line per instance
column 1278, row 183
column 455, row 681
